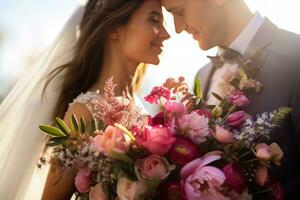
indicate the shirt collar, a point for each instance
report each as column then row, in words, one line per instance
column 243, row 40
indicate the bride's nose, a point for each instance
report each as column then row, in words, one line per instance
column 164, row 34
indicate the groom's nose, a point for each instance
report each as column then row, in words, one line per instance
column 179, row 25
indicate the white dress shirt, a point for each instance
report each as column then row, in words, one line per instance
column 240, row 44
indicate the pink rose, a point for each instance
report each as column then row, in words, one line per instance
column 112, row 140
column 200, row 181
column 236, row 119
column 204, row 112
column 263, row 152
column 83, row 180
column 277, row 192
column 156, row 94
column 183, row 151
column 158, row 140
column 153, row 167
column 238, row 98
column 235, row 178
column 277, row 153
column 261, row 176
column 175, row 109
column 195, row 127
column 222, row 135
column 97, row 193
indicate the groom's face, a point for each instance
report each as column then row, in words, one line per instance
column 204, row 19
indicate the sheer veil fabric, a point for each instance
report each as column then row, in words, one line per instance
column 21, row 142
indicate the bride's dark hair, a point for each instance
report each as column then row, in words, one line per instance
column 83, row 70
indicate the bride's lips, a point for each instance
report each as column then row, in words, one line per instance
column 157, row 46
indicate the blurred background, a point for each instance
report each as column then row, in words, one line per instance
column 29, row 26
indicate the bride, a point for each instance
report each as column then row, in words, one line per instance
column 115, row 36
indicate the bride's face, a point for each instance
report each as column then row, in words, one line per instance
column 142, row 37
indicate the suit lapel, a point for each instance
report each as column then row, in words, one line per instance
column 262, row 40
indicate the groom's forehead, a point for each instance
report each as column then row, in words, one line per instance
column 172, row 4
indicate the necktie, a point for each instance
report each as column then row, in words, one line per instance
column 228, row 55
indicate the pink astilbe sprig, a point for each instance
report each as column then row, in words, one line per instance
column 121, row 110
column 109, row 88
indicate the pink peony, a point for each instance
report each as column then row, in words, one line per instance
column 238, row 98
column 195, row 127
column 235, row 178
column 236, row 119
column 175, row 109
column 112, row 140
column 222, row 135
column 183, row 151
column 203, row 112
column 261, row 176
column 157, row 93
column 153, row 167
column 200, row 181
column 83, row 180
column 158, row 140
column 97, row 193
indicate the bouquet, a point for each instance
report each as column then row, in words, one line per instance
column 189, row 150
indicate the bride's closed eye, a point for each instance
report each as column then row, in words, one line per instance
column 155, row 18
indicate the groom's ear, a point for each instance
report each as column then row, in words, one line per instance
column 220, row 2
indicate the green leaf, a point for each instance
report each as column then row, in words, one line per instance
column 121, row 156
column 93, row 125
column 217, row 96
column 56, row 141
column 198, row 89
column 52, row 131
column 280, row 114
column 62, row 126
column 101, row 125
column 82, row 125
column 74, row 124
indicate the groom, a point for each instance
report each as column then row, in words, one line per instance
column 229, row 23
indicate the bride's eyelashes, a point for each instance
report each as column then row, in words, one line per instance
column 156, row 18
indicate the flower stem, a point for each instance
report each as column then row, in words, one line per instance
column 244, row 154
column 232, row 108
column 164, row 110
column 248, row 161
column 263, row 191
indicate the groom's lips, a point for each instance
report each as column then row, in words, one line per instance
column 195, row 35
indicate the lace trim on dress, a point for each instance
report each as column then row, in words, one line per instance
column 89, row 99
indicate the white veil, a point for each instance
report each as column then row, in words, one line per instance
column 21, row 142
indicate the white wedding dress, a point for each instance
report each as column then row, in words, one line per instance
column 23, row 110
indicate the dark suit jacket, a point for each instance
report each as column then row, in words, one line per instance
column 280, row 75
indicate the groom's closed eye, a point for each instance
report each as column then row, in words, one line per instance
column 178, row 12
